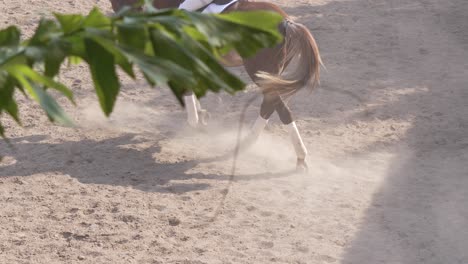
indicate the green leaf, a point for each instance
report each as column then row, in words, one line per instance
column 159, row 70
column 102, row 65
column 12, row 57
column 12, row 108
column 2, row 133
column 171, row 46
column 165, row 17
column 190, row 55
column 220, row 78
column 76, row 46
column 125, row 10
column 96, row 19
column 50, row 106
column 74, row 60
column 35, row 53
column 7, row 102
column 247, row 32
column 9, row 36
column 111, row 47
column 70, row 23
column 46, row 45
column 132, row 35
column 47, row 82
column 54, row 58
column 28, row 74
column 265, row 21
column 46, row 30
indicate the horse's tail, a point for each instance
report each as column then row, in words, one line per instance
column 301, row 50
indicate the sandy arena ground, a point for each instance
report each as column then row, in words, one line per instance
column 387, row 134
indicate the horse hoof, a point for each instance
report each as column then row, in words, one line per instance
column 301, row 166
column 204, row 116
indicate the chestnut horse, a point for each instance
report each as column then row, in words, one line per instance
column 267, row 69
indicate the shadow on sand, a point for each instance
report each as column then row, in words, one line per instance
column 416, row 49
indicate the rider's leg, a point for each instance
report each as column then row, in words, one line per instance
column 194, row 5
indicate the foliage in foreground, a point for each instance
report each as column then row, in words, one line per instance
column 170, row 47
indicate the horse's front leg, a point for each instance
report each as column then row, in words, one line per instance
column 203, row 114
column 190, row 101
column 196, row 116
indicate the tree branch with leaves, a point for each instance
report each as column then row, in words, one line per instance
column 170, row 47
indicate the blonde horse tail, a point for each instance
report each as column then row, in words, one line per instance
column 302, row 55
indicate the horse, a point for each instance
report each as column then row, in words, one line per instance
column 267, row 69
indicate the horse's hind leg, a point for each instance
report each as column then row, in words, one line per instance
column 258, row 126
column 270, row 104
column 275, row 102
column 271, row 60
column 299, row 147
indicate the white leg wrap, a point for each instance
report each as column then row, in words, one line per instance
column 197, row 104
column 258, row 127
column 193, row 5
column 254, row 133
column 191, row 107
column 296, row 139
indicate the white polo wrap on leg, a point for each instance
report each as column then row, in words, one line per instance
column 193, row 5
column 254, row 133
column 296, row 139
column 258, row 127
column 191, row 108
column 197, row 104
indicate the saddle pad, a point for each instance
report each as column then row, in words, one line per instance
column 216, row 9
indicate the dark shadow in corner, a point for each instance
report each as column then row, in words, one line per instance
column 420, row 214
